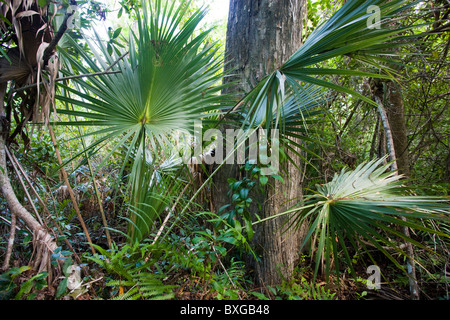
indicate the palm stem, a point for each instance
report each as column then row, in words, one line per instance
column 69, row 188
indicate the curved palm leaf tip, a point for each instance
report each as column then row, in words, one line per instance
column 363, row 207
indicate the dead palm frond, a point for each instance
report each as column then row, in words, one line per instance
column 31, row 61
column 28, row 71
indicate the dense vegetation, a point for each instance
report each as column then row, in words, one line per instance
column 93, row 152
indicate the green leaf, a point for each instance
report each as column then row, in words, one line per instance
column 244, row 193
column 358, row 204
column 110, row 49
column 259, row 295
column 263, row 180
column 223, row 208
column 169, row 78
column 67, row 263
column 62, row 286
column 278, row 177
column 116, row 33
column 305, row 83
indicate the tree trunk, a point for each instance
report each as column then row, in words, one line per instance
column 390, row 141
column 44, row 243
column 261, row 35
column 396, row 115
column 391, row 97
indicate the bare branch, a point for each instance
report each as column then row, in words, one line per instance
column 94, row 74
column 62, row 29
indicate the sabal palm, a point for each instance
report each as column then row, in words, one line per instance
column 169, row 79
column 363, row 207
column 166, row 84
column 346, row 33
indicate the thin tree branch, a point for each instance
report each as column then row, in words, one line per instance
column 14, row 159
column 411, row 272
column 23, row 185
column 106, row 72
column 168, row 215
column 69, row 188
column 69, row 78
column 388, row 132
column 12, row 235
column 94, row 74
column 62, row 29
column 116, row 62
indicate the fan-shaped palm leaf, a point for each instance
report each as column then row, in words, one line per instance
column 362, row 207
column 169, row 79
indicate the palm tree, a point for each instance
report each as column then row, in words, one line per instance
column 362, row 208
column 168, row 79
column 347, row 33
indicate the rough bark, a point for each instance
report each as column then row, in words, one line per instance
column 261, row 35
column 396, row 115
column 391, row 97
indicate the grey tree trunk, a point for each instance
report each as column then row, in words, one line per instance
column 261, row 35
column 43, row 242
column 391, row 97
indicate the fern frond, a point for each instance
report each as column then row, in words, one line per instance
column 132, row 294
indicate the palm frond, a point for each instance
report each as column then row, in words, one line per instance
column 365, row 206
column 346, row 33
column 154, row 192
column 169, row 80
